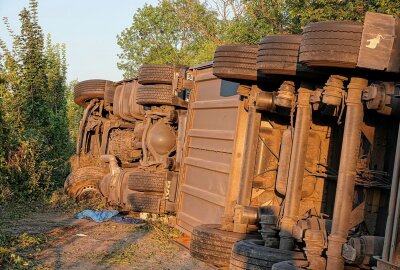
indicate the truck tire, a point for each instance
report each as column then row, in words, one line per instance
column 147, row 181
column 212, row 245
column 331, row 44
column 157, row 74
column 290, row 265
column 86, row 90
column 145, row 202
column 236, row 62
column 109, row 92
column 83, row 182
column 158, row 94
column 278, row 54
column 252, row 254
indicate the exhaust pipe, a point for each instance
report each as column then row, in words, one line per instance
column 347, row 174
column 296, row 168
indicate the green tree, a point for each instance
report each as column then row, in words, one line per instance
column 174, row 31
column 74, row 113
column 33, row 99
column 187, row 31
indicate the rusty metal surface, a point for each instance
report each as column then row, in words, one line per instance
column 346, row 178
column 207, row 156
column 380, row 43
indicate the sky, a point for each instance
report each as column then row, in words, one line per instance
column 88, row 28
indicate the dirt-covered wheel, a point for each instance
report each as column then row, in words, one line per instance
column 109, row 92
column 159, row 74
column 86, row 90
column 157, row 94
column 146, row 202
column 290, row 265
column 147, row 181
column 278, row 54
column 236, row 62
column 82, row 183
column 212, row 245
column 331, row 44
column 252, row 254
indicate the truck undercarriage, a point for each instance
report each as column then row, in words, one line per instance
column 277, row 156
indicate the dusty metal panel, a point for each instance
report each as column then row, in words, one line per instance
column 207, row 155
column 380, row 43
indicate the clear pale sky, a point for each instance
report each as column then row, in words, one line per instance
column 87, row 27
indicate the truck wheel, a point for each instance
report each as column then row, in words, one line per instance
column 290, row 265
column 147, row 181
column 278, row 54
column 212, row 245
column 82, row 183
column 157, row 74
column 86, row 90
column 252, row 254
column 236, row 62
column 145, row 202
column 331, row 44
column 109, row 92
column 158, row 94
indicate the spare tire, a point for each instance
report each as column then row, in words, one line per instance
column 278, row 54
column 331, row 44
column 157, row 94
column 252, row 254
column 236, row 62
column 82, row 183
column 86, row 90
column 212, row 245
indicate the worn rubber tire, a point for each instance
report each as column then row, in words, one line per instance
column 210, row 244
column 278, row 54
column 290, row 265
column 158, row 94
column 86, row 90
column 159, row 74
column 145, row 202
column 331, row 44
column 81, row 179
column 147, row 181
column 252, row 254
column 235, row 62
column 109, row 92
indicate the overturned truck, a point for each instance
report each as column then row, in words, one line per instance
column 284, row 155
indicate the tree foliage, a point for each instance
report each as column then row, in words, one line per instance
column 187, row 31
column 33, row 113
column 173, row 31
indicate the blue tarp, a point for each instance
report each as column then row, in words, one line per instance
column 98, row 216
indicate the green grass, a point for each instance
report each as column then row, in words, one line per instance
column 17, row 252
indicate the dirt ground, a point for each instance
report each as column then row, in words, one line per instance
column 107, row 245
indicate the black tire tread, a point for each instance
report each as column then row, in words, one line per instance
column 239, row 62
column 85, row 176
column 147, row 181
column 144, row 202
column 331, row 44
column 158, row 94
column 240, row 48
column 156, row 74
column 252, row 254
column 281, row 39
column 87, row 90
column 272, row 52
column 336, row 26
